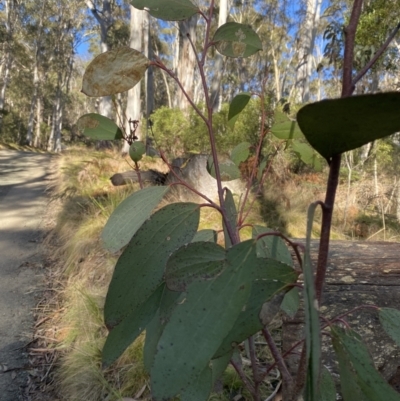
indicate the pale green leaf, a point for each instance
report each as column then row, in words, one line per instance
column 98, row 127
column 291, row 302
column 167, row 10
column 129, row 216
column 114, row 71
column 236, row 40
column 206, row 235
column 240, row 153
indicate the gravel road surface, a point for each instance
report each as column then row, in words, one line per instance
column 22, row 207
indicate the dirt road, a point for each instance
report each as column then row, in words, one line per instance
column 22, row 206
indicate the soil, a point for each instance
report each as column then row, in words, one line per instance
column 23, row 181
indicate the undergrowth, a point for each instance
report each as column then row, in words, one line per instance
column 86, row 199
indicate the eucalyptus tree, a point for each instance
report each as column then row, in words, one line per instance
column 133, row 104
column 9, row 16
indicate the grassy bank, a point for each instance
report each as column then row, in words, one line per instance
column 82, row 200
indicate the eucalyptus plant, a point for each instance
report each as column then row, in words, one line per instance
column 198, row 300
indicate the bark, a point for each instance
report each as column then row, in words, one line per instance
column 9, row 8
column 36, row 79
column 133, row 106
column 37, row 141
column 149, row 78
column 219, row 61
column 105, row 21
column 186, row 60
column 309, row 33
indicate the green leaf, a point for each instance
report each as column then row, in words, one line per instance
column 231, row 215
column 390, row 321
column 219, row 365
column 291, row 302
column 307, row 155
column 240, row 153
column 236, row 40
column 137, row 150
column 238, row 103
column 227, row 168
column 122, row 336
column 203, row 319
column 200, row 389
column 129, row 216
column 339, row 125
column 167, row 10
column 312, row 325
column 99, row 127
column 206, row 235
column 269, row 280
column 348, row 378
column 195, row 261
column 326, row 388
column 271, row 246
column 261, row 169
column 284, row 128
column 115, row 71
column 140, row 268
column 155, row 328
column 372, row 384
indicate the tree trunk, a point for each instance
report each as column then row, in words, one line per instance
column 37, row 142
column 304, row 67
column 10, row 14
column 186, row 60
column 149, row 78
column 105, row 20
column 133, row 106
column 36, row 78
column 219, row 61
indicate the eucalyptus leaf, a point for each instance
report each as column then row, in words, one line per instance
column 271, row 246
column 339, row 125
column 270, row 279
column 167, row 10
column 155, row 328
column 140, row 268
column 307, row 155
column 98, row 127
column 390, row 321
column 373, row 386
column 129, row 216
column 348, row 378
column 284, row 128
column 206, row 235
column 114, row 71
column 240, row 153
column 227, row 168
column 291, row 302
column 326, row 387
column 205, row 317
column 194, row 261
column 231, row 214
column 123, row 335
column 239, row 102
column 236, row 40
column 312, row 325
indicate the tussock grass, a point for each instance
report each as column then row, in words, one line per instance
column 87, row 199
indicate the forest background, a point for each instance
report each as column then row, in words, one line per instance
column 45, row 47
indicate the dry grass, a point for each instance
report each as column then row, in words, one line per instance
column 86, row 198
